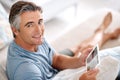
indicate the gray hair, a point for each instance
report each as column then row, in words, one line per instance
column 18, row 8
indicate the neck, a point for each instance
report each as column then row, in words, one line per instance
column 29, row 47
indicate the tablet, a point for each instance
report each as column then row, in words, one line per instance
column 92, row 59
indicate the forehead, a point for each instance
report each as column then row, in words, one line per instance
column 31, row 15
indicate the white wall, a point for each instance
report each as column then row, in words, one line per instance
column 114, row 4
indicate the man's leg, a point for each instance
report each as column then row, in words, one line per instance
column 99, row 37
column 85, row 45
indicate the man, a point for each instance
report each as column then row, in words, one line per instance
column 30, row 57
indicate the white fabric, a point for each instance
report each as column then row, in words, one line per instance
column 6, row 33
column 3, row 13
column 3, row 75
column 3, row 56
column 107, row 67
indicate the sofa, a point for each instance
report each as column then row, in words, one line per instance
column 85, row 29
column 75, row 35
column 50, row 7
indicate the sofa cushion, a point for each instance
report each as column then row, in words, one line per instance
column 3, row 13
column 3, row 75
column 3, row 58
column 6, row 33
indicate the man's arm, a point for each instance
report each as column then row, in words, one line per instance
column 64, row 62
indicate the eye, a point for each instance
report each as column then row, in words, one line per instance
column 40, row 22
column 29, row 25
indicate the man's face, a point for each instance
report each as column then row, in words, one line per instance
column 31, row 28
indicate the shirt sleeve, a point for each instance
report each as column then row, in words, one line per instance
column 28, row 71
column 51, row 51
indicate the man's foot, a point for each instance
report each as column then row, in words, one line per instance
column 106, row 22
column 115, row 34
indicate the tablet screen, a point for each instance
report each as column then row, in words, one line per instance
column 92, row 60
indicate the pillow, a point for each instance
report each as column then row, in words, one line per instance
column 3, row 58
column 5, row 34
column 3, row 13
column 3, row 75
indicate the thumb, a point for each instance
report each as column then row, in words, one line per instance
column 87, row 51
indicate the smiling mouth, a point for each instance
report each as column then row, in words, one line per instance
column 37, row 37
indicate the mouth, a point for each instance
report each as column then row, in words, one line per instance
column 37, row 37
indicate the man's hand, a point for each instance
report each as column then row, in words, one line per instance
column 83, row 55
column 89, row 75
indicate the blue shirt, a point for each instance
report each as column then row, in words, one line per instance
column 26, row 65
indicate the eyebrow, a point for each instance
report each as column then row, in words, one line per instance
column 29, row 23
column 32, row 22
column 40, row 19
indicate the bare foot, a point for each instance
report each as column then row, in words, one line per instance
column 106, row 22
column 115, row 34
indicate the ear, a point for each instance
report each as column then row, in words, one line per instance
column 14, row 30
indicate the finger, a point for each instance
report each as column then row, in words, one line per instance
column 87, row 51
column 93, row 72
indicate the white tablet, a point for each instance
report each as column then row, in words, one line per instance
column 92, row 59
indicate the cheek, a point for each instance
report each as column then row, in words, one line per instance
column 26, row 33
column 43, row 29
column 29, row 33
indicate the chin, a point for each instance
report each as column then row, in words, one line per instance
column 39, row 43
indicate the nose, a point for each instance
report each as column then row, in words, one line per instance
column 39, row 29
